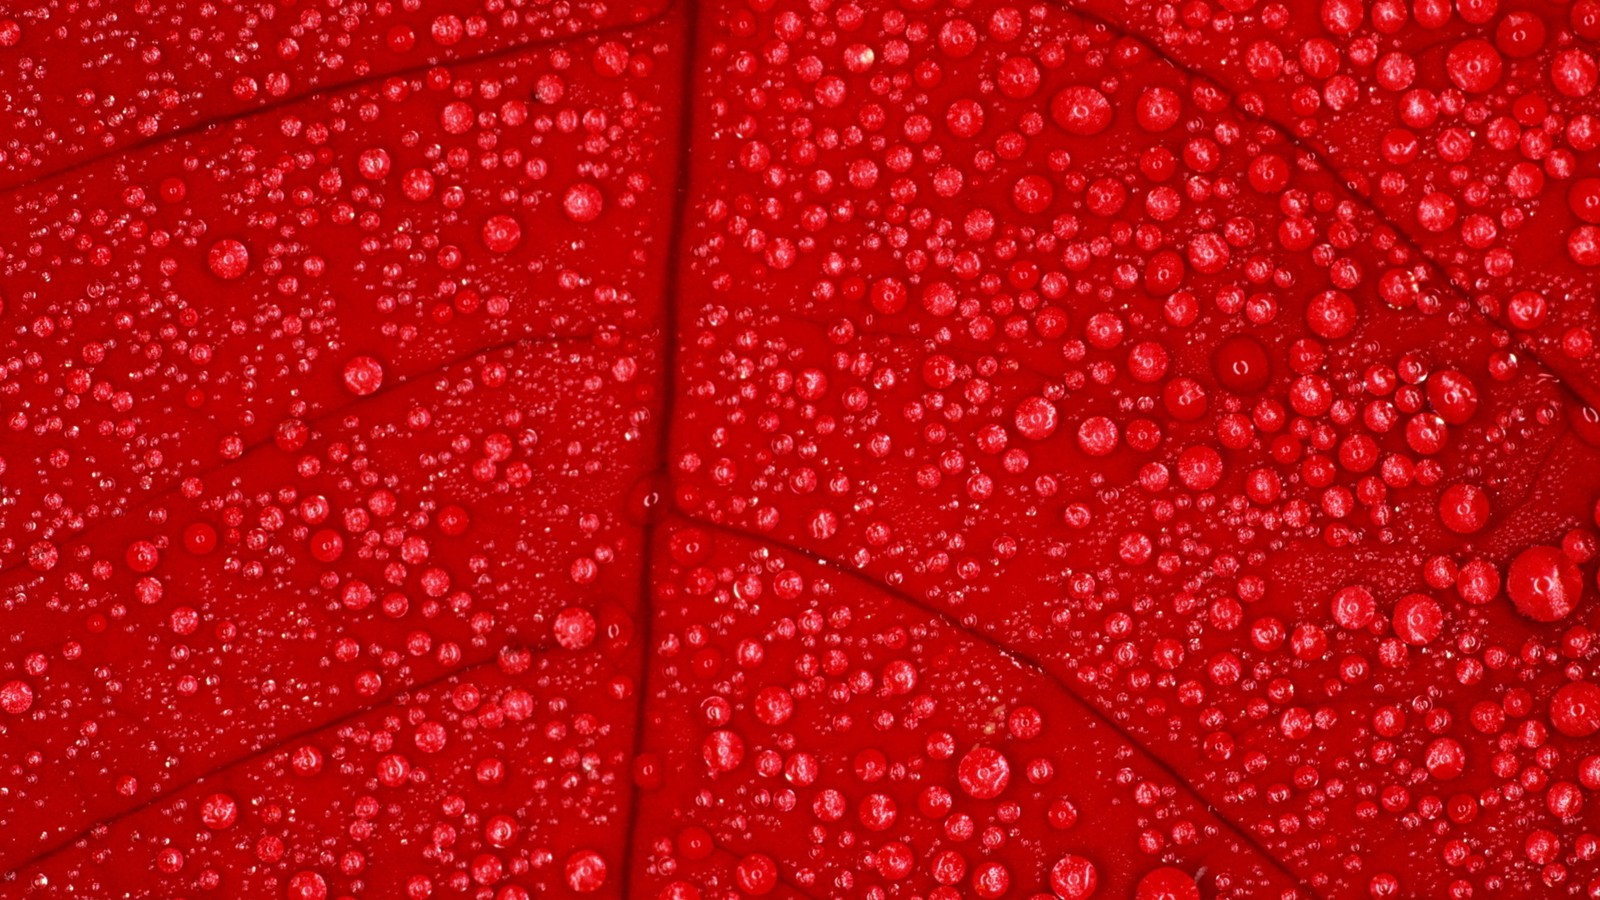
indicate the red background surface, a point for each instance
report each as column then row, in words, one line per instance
column 832, row 449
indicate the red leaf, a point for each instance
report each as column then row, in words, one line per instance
column 722, row 449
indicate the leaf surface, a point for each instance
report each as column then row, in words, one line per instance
column 732, row 449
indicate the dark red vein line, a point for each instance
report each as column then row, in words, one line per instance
column 669, row 388
column 275, row 745
column 195, row 128
column 1021, row 658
